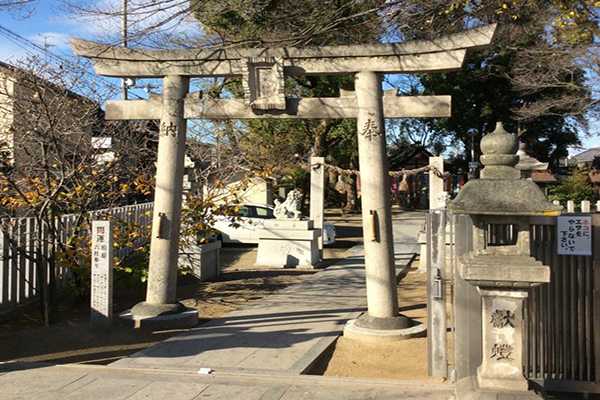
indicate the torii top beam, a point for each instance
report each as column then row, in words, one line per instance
column 442, row 54
column 263, row 72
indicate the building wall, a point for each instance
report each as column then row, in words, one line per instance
column 29, row 120
column 6, row 114
column 256, row 190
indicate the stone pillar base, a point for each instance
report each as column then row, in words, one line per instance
column 467, row 389
column 383, row 330
column 145, row 309
column 494, row 382
column 502, row 355
column 184, row 318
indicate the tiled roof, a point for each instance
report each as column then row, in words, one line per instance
column 588, row 155
column 542, row 176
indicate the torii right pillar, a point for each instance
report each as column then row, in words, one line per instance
column 382, row 320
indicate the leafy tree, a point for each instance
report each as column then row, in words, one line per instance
column 280, row 144
column 576, row 187
column 268, row 23
column 532, row 79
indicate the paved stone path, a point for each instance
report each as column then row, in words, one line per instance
column 83, row 382
column 257, row 352
column 284, row 332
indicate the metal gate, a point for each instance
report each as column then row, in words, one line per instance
column 563, row 317
column 562, row 335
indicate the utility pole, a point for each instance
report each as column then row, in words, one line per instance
column 46, row 46
column 124, row 42
column 473, row 164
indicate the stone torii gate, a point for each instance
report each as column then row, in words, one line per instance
column 263, row 72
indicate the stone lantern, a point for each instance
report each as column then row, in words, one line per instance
column 502, row 272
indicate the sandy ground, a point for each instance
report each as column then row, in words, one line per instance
column 405, row 360
column 69, row 341
column 240, row 283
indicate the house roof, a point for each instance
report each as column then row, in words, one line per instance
column 587, row 155
column 400, row 158
column 542, row 176
column 12, row 70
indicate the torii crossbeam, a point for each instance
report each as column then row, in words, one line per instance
column 263, row 72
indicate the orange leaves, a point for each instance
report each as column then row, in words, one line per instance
column 575, row 22
column 143, row 184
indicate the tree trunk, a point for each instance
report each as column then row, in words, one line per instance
column 42, row 270
column 51, row 260
column 321, row 137
column 352, row 204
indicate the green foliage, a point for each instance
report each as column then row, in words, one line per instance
column 281, row 145
column 294, row 178
column 479, row 100
column 314, row 22
column 76, row 254
column 198, row 218
column 199, row 213
column 530, row 79
column 342, row 144
column 576, row 187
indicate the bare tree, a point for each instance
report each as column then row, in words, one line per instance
column 49, row 164
column 19, row 8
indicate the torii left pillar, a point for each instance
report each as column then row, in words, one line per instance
column 161, row 294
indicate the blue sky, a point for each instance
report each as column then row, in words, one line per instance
column 47, row 25
column 43, row 22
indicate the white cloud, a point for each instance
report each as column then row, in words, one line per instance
column 54, row 40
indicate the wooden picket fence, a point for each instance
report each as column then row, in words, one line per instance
column 585, row 206
column 19, row 280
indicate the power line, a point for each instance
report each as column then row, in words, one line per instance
column 20, row 41
column 27, row 45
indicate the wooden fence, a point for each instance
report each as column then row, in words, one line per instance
column 19, row 280
column 585, row 206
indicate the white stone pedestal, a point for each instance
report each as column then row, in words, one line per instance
column 502, row 364
column 202, row 260
column 288, row 243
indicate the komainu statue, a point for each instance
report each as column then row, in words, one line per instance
column 290, row 208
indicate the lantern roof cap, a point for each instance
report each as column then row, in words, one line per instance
column 501, row 190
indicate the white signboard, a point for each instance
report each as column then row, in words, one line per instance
column 574, row 235
column 102, row 276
